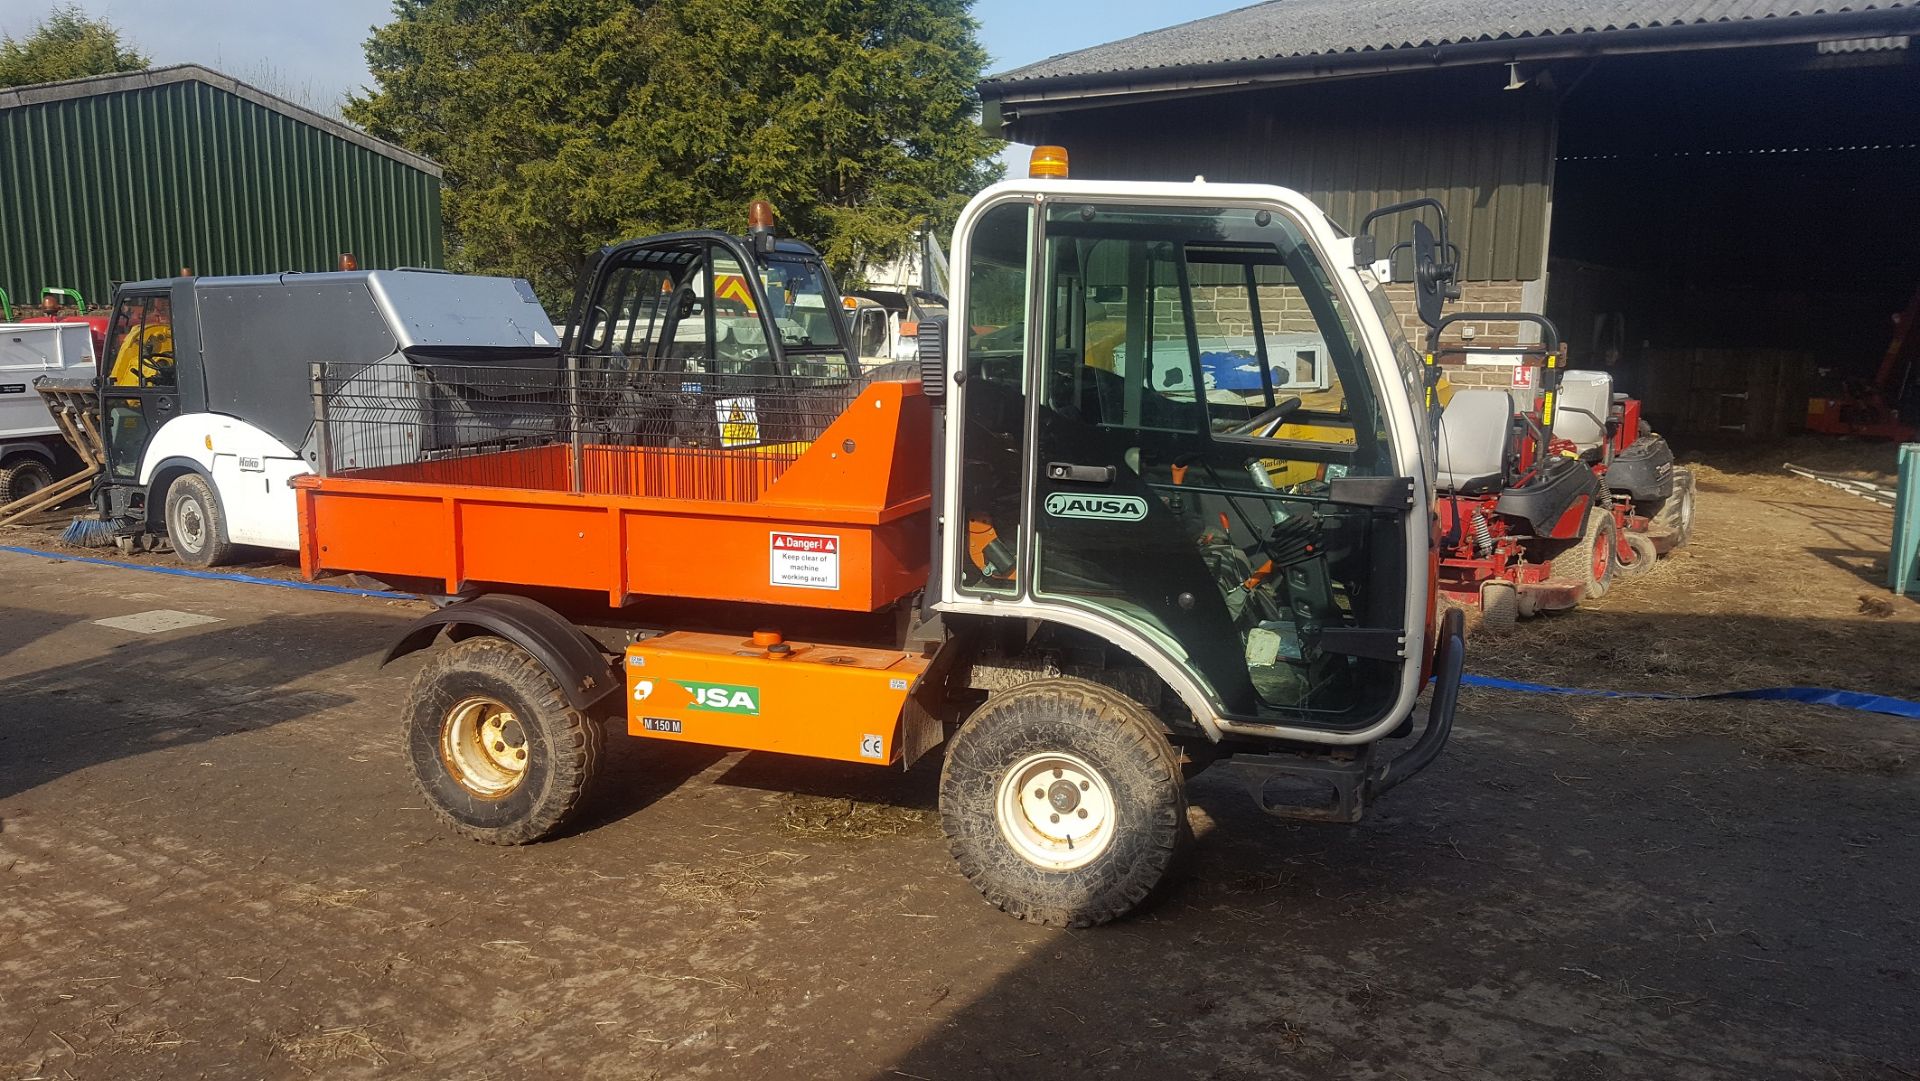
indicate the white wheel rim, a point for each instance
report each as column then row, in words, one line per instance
column 484, row 747
column 189, row 526
column 1056, row 810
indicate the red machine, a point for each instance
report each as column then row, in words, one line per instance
column 1543, row 508
column 68, row 306
column 1873, row 412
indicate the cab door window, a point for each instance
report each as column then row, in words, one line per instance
column 995, row 325
column 1187, row 441
column 142, row 350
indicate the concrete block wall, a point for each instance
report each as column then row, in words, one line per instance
column 1223, row 311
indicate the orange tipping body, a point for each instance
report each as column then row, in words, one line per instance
column 841, row 522
column 820, row 701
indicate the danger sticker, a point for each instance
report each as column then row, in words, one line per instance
column 1523, row 376
column 807, row 560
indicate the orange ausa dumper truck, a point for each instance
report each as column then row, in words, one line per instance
column 1086, row 572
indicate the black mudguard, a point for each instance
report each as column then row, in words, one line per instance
column 575, row 660
column 1644, row 471
column 1545, row 502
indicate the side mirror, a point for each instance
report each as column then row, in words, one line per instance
column 1429, row 286
column 932, row 344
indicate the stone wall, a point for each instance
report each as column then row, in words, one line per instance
column 1223, row 311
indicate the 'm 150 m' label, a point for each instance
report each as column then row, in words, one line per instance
column 1115, row 508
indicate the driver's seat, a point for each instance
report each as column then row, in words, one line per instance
column 1476, row 429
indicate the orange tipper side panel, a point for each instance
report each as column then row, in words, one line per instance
column 840, row 523
column 819, row 701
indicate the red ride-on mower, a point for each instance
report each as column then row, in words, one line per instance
column 1652, row 501
column 1523, row 529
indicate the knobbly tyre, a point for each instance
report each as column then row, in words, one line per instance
column 1091, row 542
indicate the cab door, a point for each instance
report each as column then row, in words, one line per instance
column 1190, row 478
column 140, row 391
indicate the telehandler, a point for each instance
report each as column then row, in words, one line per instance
column 1079, row 569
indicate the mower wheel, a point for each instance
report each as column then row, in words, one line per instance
column 1590, row 559
column 1063, row 803
column 1644, row 556
column 495, row 747
column 23, row 478
column 1676, row 514
column 1499, row 605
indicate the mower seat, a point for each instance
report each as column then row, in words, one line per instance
column 1585, row 400
column 1475, row 430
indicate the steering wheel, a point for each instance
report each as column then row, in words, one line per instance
column 1271, row 418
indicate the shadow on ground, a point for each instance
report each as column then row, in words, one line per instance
column 1537, row 907
column 176, row 689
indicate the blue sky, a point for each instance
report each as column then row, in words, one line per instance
column 310, row 52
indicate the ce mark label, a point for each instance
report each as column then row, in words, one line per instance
column 873, row 747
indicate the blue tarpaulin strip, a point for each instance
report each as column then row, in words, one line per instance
column 1815, row 696
column 244, row 579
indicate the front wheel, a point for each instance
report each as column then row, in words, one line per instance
column 196, row 523
column 495, row 747
column 1063, row 802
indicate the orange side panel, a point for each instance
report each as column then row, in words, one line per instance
column 842, row 522
column 566, row 546
column 395, row 534
column 819, row 701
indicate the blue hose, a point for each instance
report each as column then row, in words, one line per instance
column 1813, row 696
column 243, row 579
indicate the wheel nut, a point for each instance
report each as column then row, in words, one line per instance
column 522, row 756
column 1083, row 812
column 1039, row 793
column 1053, row 818
column 499, row 747
column 1084, row 785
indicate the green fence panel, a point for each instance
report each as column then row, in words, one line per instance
column 1902, row 573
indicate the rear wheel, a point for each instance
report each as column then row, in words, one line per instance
column 495, row 747
column 1676, row 514
column 196, row 524
column 1063, row 802
column 1590, row 560
column 22, row 479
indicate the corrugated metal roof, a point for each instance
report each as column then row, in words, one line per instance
column 96, row 85
column 97, row 188
column 1282, row 30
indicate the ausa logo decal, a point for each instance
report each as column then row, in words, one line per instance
column 1117, row 508
column 723, row 698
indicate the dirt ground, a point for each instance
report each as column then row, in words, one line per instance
column 212, row 865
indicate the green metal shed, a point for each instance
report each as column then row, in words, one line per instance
column 125, row 177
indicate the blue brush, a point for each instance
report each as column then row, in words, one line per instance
column 88, row 533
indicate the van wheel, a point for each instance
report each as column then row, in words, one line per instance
column 195, row 523
column 1063, row 802
column 495, row 747
column 22, row 479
